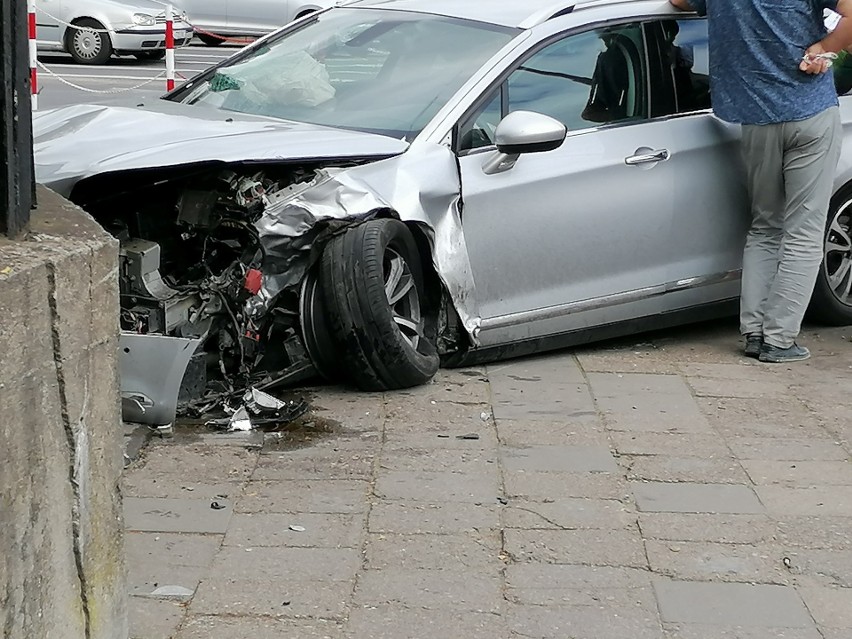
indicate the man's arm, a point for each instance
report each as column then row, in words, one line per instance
column 836, row 41
column 699, row 6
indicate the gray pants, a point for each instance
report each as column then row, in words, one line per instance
column 790, row 175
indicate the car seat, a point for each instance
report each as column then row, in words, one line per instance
column 613, row 93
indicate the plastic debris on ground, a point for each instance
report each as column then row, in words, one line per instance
column 257, row 401
column 173, row 591
column 257, row 409
column 240, row 420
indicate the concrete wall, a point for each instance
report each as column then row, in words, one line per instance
column 61, row 553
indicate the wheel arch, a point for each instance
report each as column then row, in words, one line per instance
column 824, row 307
column 447, row 329
column 434, row 286
column 66, row 30
column 842, row 190
column 843, row 177
column 312, row 7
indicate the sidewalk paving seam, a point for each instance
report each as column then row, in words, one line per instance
column 244, row 482
column 372, row 498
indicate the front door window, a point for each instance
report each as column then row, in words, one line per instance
column 583, row 80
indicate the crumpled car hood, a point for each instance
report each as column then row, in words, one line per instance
column 76, row 142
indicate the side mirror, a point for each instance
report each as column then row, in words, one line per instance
column 529, row 132
column 524, row 132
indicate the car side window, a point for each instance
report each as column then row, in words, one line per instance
column 583, row 80
column 479, row 129
column 680, row 77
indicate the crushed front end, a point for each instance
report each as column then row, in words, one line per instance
column 196, row 322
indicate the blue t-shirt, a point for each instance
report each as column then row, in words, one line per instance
column 755, row 50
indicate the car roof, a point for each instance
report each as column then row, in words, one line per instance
column 509, row 13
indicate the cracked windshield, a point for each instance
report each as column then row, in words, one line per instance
column 386, row 72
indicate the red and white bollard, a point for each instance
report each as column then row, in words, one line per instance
column 31, row 20
column 170, row 48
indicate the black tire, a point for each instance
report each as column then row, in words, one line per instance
column 831, row 302
column 381, row 346
column 209, row 40
column 150, row 55
column 87, row 46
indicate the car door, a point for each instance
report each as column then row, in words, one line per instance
column 711, row 208
column 209, row 15
column 257, row 17
column 578, row 236
column 49, row 14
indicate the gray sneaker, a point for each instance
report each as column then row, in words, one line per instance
column 774, row 355
column 753, row 343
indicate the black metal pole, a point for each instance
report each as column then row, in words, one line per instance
column 17, row 192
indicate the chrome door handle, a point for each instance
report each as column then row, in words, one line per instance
column 647, row 157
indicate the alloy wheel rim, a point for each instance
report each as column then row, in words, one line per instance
column 838, row 254
column 402, row 296
column 320, row 349
column 87, row 43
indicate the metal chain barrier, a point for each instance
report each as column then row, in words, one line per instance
column 210, row 34
column 169, row 73
column 198, row 30
column 103, row 91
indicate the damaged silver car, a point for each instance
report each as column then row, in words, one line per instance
column 394, row 184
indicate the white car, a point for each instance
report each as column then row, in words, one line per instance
column 93, row 30
column 217, row 20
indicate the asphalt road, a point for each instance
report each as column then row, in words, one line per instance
column 120, row 78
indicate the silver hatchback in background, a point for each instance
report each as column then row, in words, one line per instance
column 217, row 20
column 91, row 31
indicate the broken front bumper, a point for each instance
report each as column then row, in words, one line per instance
column 152, row 368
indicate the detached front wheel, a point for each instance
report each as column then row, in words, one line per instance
column 373, row 292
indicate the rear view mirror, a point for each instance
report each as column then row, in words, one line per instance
column 523, row 132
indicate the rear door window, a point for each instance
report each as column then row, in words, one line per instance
column 680, row 68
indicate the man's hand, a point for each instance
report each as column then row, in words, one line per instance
column 837, row 40
column 816, row 60
column 683, row 5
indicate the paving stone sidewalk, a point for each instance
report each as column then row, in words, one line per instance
column 662, row 488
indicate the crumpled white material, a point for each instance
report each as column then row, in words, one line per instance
column 305, row 83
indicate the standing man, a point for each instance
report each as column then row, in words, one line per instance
column 768, row 64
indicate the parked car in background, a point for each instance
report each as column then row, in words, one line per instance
column 93, row 30
column 398, row 183
column 229, row 18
